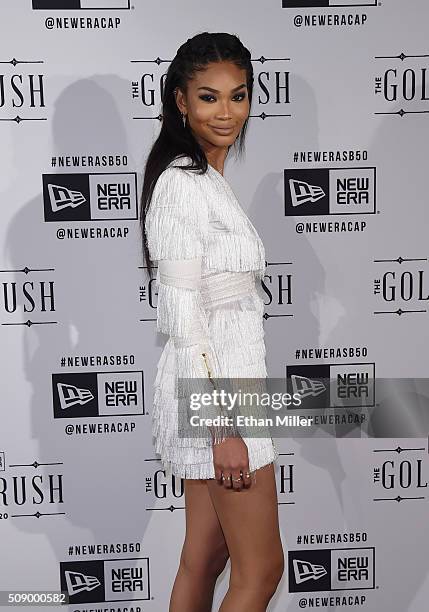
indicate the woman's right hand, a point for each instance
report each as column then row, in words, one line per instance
column 231, row 460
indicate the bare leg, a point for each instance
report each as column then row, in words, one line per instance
column 249, row 520
column 204, row 553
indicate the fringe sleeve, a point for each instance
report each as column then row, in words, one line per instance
column 176, row 228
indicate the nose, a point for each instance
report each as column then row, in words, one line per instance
column 224, row 112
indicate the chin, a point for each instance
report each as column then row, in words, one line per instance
column 223, row 141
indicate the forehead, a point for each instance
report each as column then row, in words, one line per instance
column 219, row 75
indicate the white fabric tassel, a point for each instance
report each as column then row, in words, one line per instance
column 215, row 325
column 176, row 218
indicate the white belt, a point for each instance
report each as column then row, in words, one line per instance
column 216, row 288
column 224, row 287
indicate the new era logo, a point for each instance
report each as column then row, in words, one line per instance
column 95, row 196
column 61, row 197
column 304, row 570
column 331, row 569
column 302, row 192
column 329, row 191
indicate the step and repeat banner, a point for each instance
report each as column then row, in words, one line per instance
column 334, row 178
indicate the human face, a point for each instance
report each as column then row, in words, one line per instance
column 217, row 105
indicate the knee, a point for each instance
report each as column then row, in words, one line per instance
column 271, row 574
column 263, row 578
column 209, row 565
column 218, row 561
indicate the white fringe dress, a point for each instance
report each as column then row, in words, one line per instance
column 210, row 260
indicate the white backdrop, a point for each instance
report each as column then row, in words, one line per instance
column 334, row 180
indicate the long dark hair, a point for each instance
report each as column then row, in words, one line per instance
column 173, row 139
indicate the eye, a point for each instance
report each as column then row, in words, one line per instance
column 205, row 97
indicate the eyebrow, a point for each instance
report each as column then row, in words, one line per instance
column 216, row 91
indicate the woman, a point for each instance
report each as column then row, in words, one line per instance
column 209, row 256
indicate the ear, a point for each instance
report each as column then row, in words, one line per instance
column 180, row 100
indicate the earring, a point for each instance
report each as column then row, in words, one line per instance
column 184, row 119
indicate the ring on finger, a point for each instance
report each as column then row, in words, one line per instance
column 223, row 477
